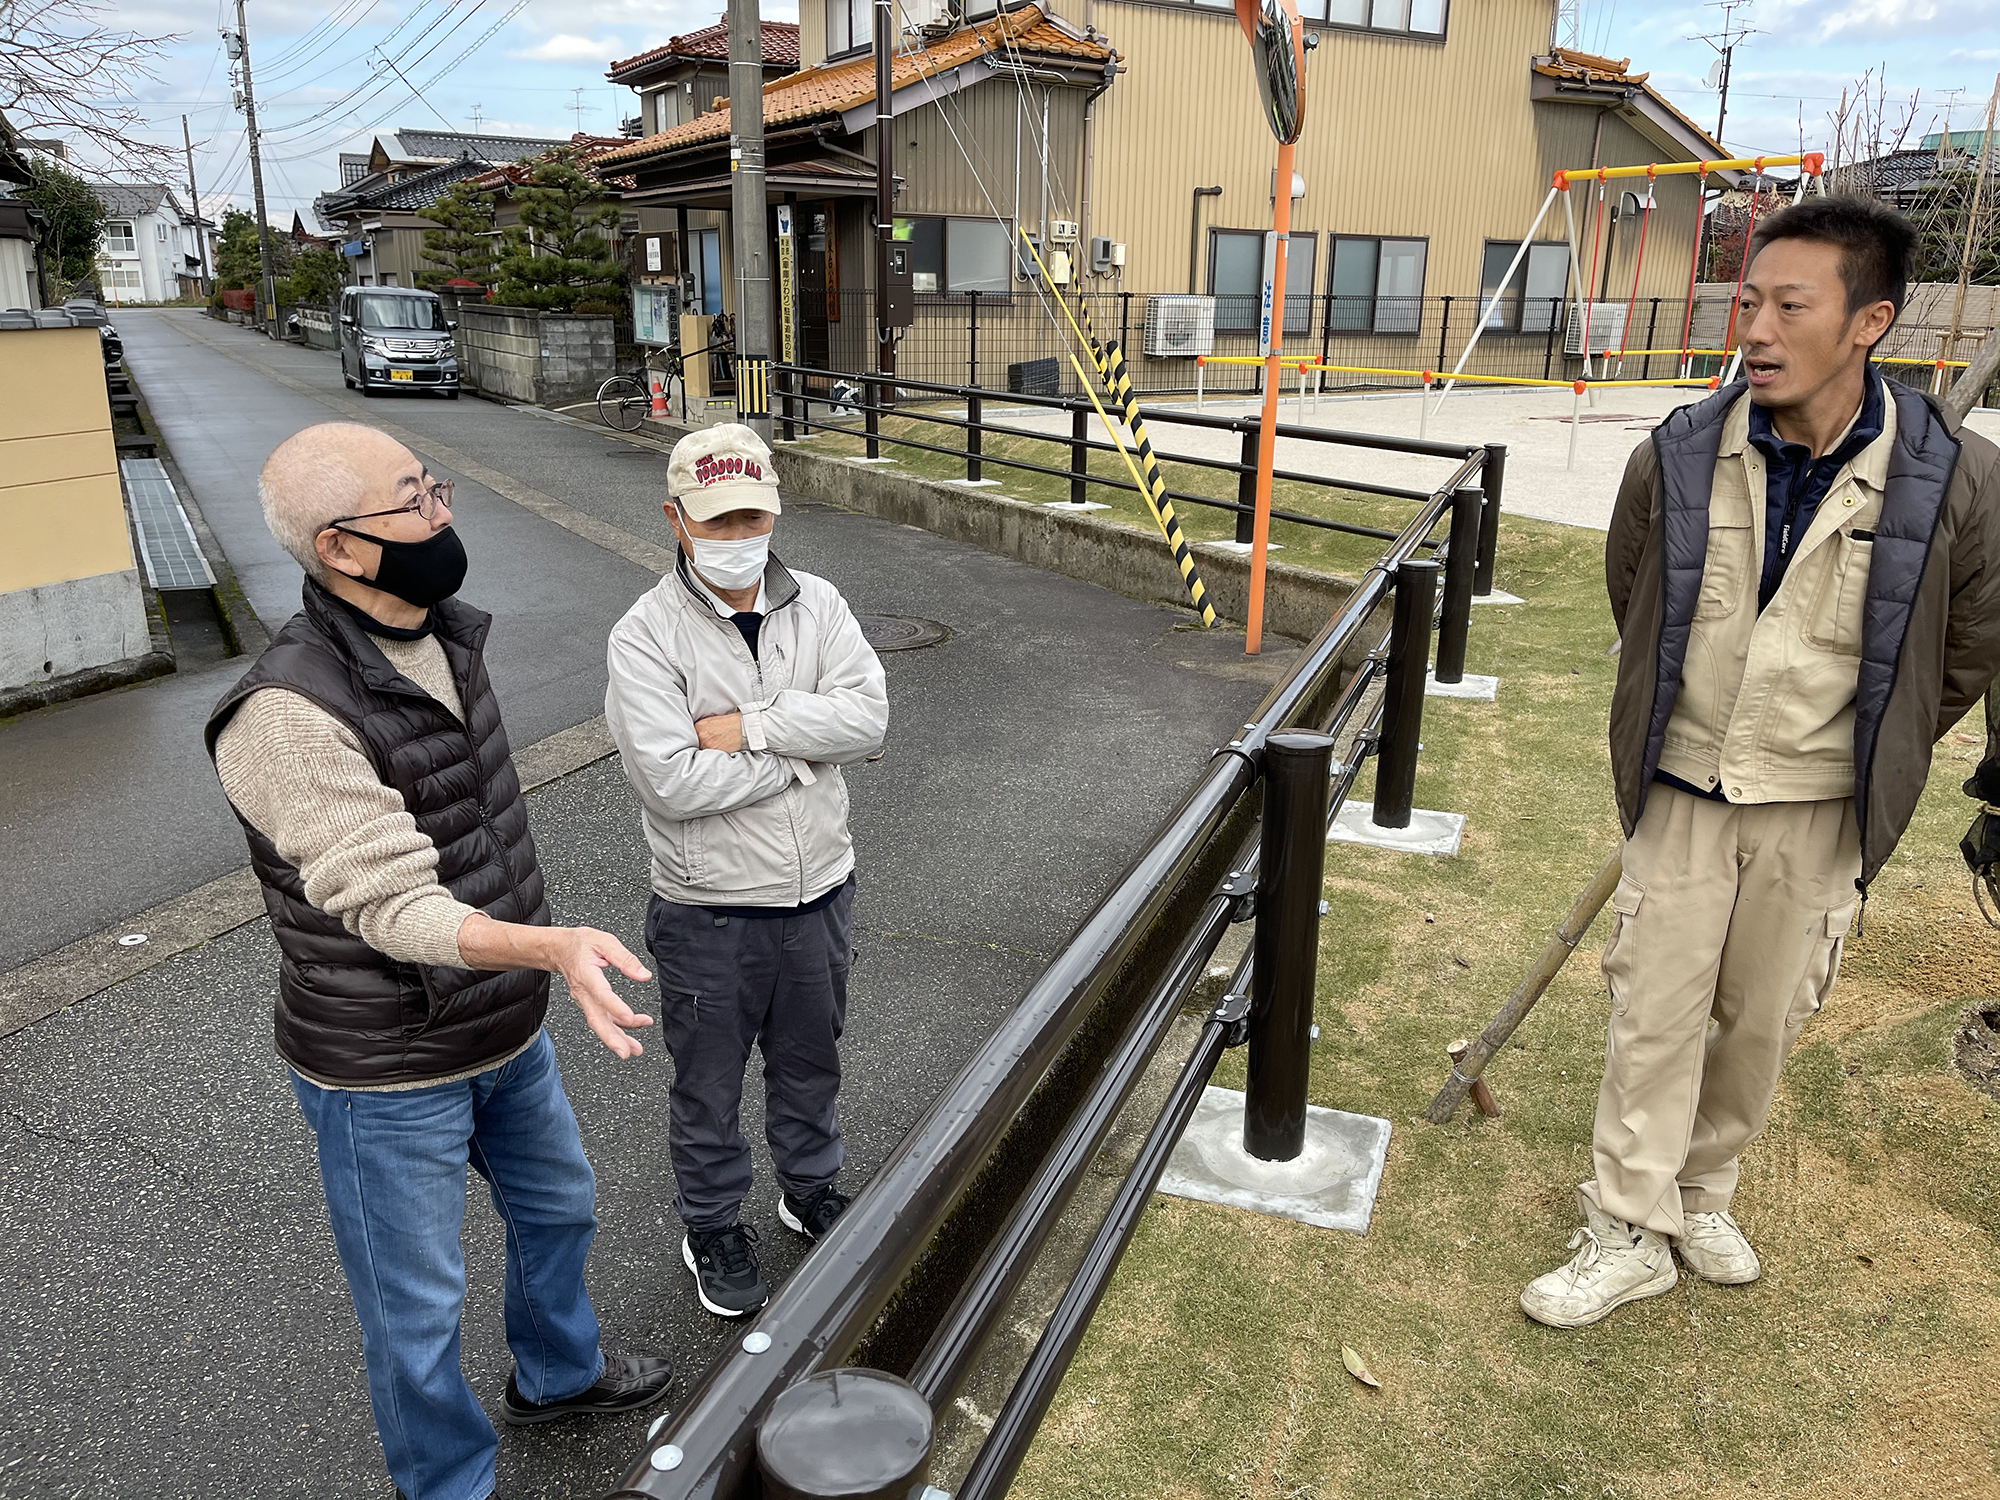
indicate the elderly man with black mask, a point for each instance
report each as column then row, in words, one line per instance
column 365, row 757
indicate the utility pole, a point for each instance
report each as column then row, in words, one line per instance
column 747, row 208
column 194, row 207
column 885, row 195
column 1724, row 45
column 238, row 46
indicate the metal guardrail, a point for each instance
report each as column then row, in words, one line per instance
column 794, row 415
column 916, row 1275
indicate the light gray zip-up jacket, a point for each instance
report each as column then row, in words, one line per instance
column 766, row 826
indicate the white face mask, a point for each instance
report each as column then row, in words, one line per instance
column 731, row 565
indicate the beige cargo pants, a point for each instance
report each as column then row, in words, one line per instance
column 1726, row 935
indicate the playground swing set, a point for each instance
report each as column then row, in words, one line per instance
column 1608, row 362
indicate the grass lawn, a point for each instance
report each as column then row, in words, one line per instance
column 1309, row 546
column 1862, row 1364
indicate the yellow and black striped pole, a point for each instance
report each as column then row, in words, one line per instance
column 1110, row 362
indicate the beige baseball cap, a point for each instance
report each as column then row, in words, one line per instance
column 720, row 469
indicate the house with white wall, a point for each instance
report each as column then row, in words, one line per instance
column 151, row 250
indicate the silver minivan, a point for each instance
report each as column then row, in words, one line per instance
column 396, row 338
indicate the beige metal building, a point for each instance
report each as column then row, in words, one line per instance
column 1126, row 135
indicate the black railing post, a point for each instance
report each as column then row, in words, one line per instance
column 790, row 430
column 873, row 424
column 1492, row 475
column 1444, row 325
column 1549, row 348
column 1403, row 695
column 856, row 1433
column 1461, row 562
column 1246, row 490
column 1125, row 322
column 972, row 341
column 1291, row 868
column 1079, row 454
column 972, row 420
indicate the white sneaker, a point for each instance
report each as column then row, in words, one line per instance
column 1615, row 1263
column 1715, row 1250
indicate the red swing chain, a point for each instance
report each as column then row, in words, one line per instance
column 1590, row 285
column 1632, row 298
column 1694, row 264
column 1743, row 266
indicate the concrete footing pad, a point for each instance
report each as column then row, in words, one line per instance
column 1471, row 685
column 1498, row 596
column 1429, row 832
column 1331, row 1183
column 1076, row 505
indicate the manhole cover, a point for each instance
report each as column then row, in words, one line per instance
column 900, row 632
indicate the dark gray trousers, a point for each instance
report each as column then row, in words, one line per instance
column 728, row 983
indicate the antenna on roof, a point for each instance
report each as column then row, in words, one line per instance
column 577, row 109
column 477, row 118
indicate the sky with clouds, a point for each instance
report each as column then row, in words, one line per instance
column 536, row 67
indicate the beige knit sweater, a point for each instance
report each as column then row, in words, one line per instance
column 301, row 778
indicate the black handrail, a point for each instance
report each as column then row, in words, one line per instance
column 707, row 1449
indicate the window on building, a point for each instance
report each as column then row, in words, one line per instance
column 1532, row 302
column 1236, row 278
column 160, row 233
column 1421, row 17
column 958, row 255
column 1376, row 285
column 123, row 284
column 118, row 238
column 850, row 26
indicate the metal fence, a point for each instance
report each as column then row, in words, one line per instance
column 1015, row 340
column 920, row 1271
column 936, row 407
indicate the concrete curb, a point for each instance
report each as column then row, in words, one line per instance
column 96, row 962
column 1297, row 601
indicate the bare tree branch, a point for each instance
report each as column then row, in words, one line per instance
column 61, row 61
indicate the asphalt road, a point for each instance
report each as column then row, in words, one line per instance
column 172, row 1317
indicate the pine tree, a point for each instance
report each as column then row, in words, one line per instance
column 556, row 256
column 462, row 247
column 236, row 262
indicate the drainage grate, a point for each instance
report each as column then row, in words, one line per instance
column 173, row 557
column 901, row 632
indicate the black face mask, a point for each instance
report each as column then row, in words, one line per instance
column 419, row 573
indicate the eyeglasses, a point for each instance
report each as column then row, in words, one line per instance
column 435, row 496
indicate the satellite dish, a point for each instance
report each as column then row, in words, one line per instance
column 1714, row 78
column 1276, row 40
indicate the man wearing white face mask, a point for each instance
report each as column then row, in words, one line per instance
column 738, row 690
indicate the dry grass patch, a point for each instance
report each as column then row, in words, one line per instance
column 1861, row 1365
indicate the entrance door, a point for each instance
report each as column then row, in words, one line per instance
column 818, row 286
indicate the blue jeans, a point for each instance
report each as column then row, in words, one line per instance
column 393, row 1166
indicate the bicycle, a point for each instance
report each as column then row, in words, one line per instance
column 626, row 400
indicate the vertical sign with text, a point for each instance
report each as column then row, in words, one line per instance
column 787, row 300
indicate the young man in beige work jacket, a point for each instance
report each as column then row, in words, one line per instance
column 1805, row 573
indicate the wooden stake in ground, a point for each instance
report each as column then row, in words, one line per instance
column 1555, row 953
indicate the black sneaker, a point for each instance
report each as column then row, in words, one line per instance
column 727, row 1277
column 812, row 1215
column 629, row 1382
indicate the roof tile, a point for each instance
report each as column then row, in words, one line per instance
column 781, row 45
column 834, row 89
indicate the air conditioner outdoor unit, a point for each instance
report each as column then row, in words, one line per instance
column 1607, row 328
column 1179, row 325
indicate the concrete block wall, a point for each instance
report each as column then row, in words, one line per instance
column 544, row 358
column 499, row 351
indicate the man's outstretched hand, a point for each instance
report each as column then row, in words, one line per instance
column 579, row 954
